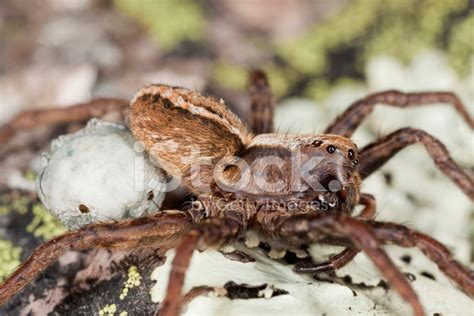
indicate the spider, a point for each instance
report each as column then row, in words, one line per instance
column 245, row 182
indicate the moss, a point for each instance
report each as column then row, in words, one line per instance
column 170, row 22
column 44, row 224
column 9, row 258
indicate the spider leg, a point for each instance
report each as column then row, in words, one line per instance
column 339, row 260
column 210, row 232
column 80, row 112
column 399, row 235
column 334, row 263
column 161, row 230
column 262, row 105
column 307, row 228
column 346, row 123
column 374, row 155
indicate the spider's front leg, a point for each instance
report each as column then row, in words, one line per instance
column 374, row 155
column 262, row 103
column 368, row 236
column 391, row 233
column 81, row 112
column 339, row 260
column 209, row 233
column 162, row 230
column 346, row 123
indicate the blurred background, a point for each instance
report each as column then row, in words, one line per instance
column 58, row 52
column 320, row 55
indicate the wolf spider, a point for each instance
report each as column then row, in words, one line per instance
column 174, row 122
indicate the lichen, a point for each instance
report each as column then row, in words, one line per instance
column 108, row 310
column 134, row 280
column 364, row 29
column 396, row 28
column 461, row 45
column 30, row 175
column 13, row 202
column 9, row 258
column 280, row 79
column 308, row 53
column 170, row 22
column 44, row 224
column 229, row 75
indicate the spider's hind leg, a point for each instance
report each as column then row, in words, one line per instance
column 162, row 230
column 34, row 118
column 262, row 106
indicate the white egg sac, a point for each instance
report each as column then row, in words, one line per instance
column 98, row 174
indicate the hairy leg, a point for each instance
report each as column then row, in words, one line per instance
column 80, row 112
column 211, row 232
column 374, row 155
column 368, row 236
column 262, row 105
column 346, row 123
column 339, row 260
column 390, row 233
column 301, row 229
column 161, row 230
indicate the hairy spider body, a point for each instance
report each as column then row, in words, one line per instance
column 291, row 190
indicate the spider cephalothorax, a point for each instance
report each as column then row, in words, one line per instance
column 291, row 190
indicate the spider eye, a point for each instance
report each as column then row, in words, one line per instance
column 331, row 149
column 350, row 154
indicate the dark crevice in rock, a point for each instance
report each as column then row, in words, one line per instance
column 245, row 291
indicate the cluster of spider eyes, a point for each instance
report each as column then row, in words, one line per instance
column 350, row 154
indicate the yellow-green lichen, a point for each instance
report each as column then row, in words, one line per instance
column 308, row 53
column 124, row 313
column 9, row 258
column 461, row 45
column 14, row 202
column 363, row 29
column 44, row 224
column 280, row 79
column 5, row 198
column 30, row 175
column 170, row 22
column 20, row 204
column 318, row 89
column 230, row 76
column 108, row 310
column 235, row 77
column 134, row 280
